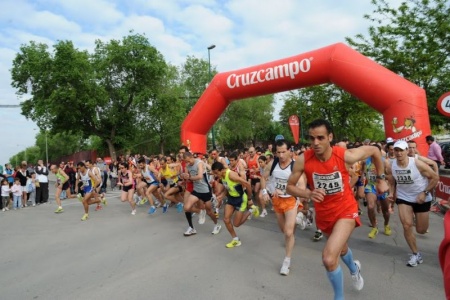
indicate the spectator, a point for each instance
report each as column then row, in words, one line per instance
column 9, row 174
column 22, row 174
column 435, row 151
column 104, row 173
column 6, row 190
column 71, row 171
column 17, row 192
column 42, row 183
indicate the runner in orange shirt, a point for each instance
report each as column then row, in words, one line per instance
column 326, row 169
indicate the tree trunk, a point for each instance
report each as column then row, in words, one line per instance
column 112, row 150
column 161, row 146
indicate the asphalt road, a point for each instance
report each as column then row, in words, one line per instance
column 115, row 255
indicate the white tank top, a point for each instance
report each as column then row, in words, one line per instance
column 279, row 180
column 409, row 181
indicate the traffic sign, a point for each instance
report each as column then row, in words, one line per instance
column 443, row 104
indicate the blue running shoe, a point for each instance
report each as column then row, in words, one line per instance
column 165, row 207
column 179, row 207
column 152, row 210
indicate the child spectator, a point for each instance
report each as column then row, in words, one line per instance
column 17, row 191
column 31, row 188
column 5, row 194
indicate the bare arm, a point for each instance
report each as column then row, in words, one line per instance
column 297, row 172
column 361, row 153
column 429, row 162
column 426, row 171
column 201, row 170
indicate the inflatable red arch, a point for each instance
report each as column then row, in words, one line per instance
column 402, row 103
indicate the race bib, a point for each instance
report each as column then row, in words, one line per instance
column 372, row 176
column 332, row 183
column 280, row 186
column 403, row 177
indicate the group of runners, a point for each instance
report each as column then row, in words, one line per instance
column 333, row 178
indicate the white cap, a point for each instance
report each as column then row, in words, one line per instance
column 389, row 140
column 401, row 144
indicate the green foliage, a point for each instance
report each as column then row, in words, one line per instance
column 348, row 116
column 194, row 77
column 245, row 120
column 96, row 94
column 412, row 41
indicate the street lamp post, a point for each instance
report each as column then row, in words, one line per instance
column 209, row 72
column 46, row 149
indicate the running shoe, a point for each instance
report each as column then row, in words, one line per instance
column 80, row 198
column 158, row 204
column 98, row 207
column 285, row 268
column 165, row 207
column 179, row 207
column 143, row 201
column 301, row 220
column 104, row 202
column 233, row 243
column 255, row 211
column 263, row 213
column 190, row 231
column 216, row 229
column 373, row 233
column 414, row 260
column 133, row 212
column 136, row 199
column 310, row 217
column 152, row 210
column 84, row 217
column 59, row 210
column 202, row 216
column 318, row 235
column 387, row 230
column 357, row 280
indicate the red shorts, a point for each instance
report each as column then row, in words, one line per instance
column 328, row 225
column 190, row 186
column 282, row 205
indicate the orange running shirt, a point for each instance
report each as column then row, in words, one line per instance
column 332, row 176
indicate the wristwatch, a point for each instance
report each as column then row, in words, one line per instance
column 426, row 193
column 382, row 176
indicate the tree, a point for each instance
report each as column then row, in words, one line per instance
column 194, row 77
column 412, row 41
column 245, row 120
column 348, row 116
column 99, row 94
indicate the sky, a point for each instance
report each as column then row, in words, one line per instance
column 245, row 32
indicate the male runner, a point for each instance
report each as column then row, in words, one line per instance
column 202, row 191
column 326, row 169
column 284, row 204
column 237, row 200
column 412, row 181
column 90, row 181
